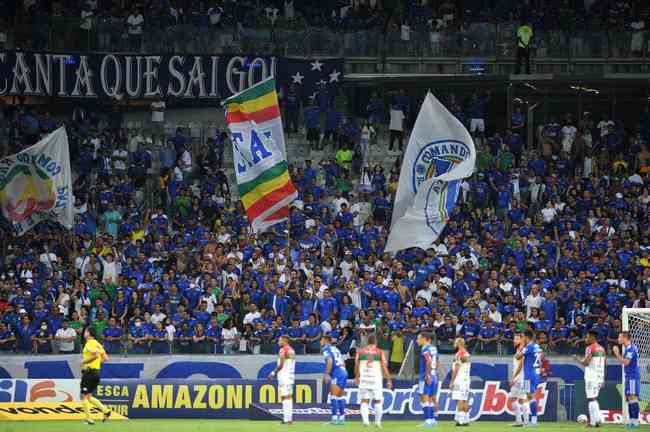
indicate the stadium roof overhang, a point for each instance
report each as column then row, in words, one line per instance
column 634, row 85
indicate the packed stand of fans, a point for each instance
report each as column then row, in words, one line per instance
column 161, row 259
column 209, row 26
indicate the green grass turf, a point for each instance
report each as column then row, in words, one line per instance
column 164, row 425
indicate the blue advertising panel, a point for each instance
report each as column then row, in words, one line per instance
column 488, row 400
column 231, row 399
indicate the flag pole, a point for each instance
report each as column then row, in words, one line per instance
column 289, row 235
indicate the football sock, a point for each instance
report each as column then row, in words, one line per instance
column 533, row 411
column 516, row 411
column 379, row 412
column 525, row 410
column 287, row 410
column 365, row 412
column 593, row 412
column 633, row 409
column 86, row 405
column 100, row 406
column 428, row 418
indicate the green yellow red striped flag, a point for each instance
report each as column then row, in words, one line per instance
column 258, row 104
column 257, row 135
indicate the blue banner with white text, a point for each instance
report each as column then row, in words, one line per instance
column 147, row 76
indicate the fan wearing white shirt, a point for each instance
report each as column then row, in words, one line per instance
column 440, row 248
column 230, row 337
column 605, row 228
column 66, row 337
column 157, row 316
column 120, row 157
column 186, row 162
column 533, row 300
column 425, row 293
column 210, row 299
column 158, row 115
column 396, row 127
column 111, row 268
column 252, row 315
column 604, row 126
column 214, row 15
column 134, row 24
column 568, row 133
column 494, row 314
column 48, row 258
column 223, row 236
column 86, row 24
column 338, row 202
column 348, row 264
column 178, row 174
column 443, row 278
column 549, row 212
column 636, row 45
column 271, row 14
column 289, row 10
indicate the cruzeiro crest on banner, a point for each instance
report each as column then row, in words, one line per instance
column 433, row 160
column 26, row 189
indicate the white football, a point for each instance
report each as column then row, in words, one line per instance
column 582, row 418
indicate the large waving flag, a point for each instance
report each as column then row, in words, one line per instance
column 259, row 153
column 36, row 184
column 440, row 153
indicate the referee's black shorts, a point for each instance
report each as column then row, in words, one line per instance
column 89, row 381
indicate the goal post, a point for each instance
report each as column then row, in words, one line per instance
column 408, row 370
column 636, row 321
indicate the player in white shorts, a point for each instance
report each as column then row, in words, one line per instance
column 371, row 369
column 517, row 393
column 459, row 383
column 286, row 374
column 594, row 363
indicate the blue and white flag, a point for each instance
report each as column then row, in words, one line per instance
column 439, row 155
column 36, row 184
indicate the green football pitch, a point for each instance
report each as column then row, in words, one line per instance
column 266, row 426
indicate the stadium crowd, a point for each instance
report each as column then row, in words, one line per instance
column 553, row 237
column 205, row 26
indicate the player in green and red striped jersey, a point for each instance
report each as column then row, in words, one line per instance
column 594, row 363
column 371, row 369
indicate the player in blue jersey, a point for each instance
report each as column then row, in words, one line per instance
column 533, row 357
column 631, row 377
column 428, row 383
column 337, row 376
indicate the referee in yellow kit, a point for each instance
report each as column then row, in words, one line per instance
column 93, row 357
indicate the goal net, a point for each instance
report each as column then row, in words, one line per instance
column 409, row 369
column 637, row 322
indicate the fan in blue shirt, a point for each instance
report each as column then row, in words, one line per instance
column 312, row 117
column 113, row 346
column 393, row 297
column 326, row 306
column 7, row 338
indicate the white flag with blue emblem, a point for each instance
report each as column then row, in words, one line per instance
column 439, row 155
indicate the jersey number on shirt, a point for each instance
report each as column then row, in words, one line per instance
column 538, row 361
column 336, row 357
